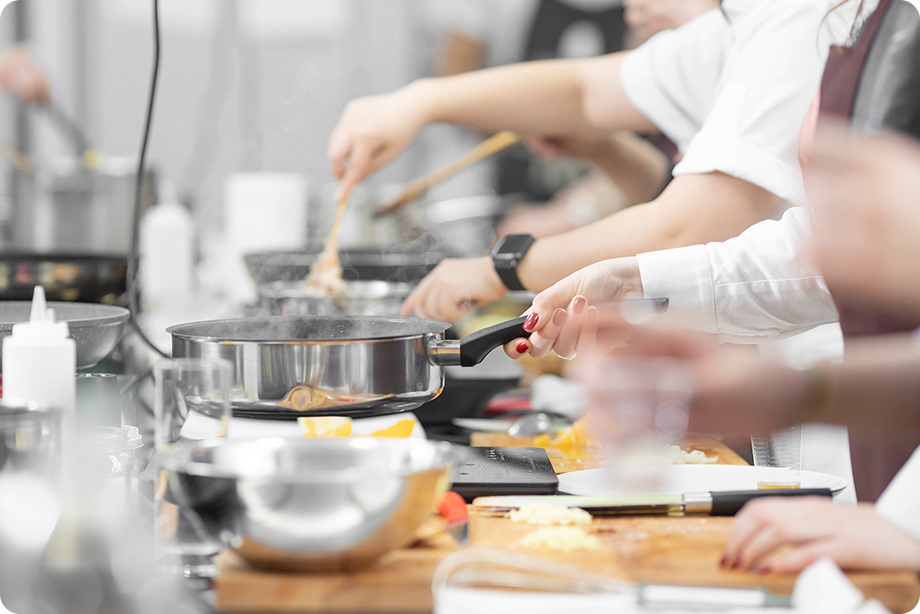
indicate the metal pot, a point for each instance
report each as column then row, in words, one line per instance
column 66, row 206
column 464, row 226
column 335, row 365
column 364, row 298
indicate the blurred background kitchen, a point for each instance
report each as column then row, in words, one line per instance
column 255, row 86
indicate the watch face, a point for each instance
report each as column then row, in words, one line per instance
column 513, row 247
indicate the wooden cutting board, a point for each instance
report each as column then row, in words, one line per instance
column 683, row 551
column 398, row 583
column 660, row 550
column 657, row 550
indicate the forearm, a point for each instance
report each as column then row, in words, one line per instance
column 547, row 97
column 692, row 210
column 638, row 168
column 876, row 389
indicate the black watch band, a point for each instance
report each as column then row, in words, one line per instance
column 506, row 255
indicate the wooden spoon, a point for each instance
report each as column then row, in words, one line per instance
column 489, row 147
column 326, row 273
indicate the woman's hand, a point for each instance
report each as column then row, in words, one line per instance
column 786, row 535
column 373, row 131
column 564, row 317
column 454, row 287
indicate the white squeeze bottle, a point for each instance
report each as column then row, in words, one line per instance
column 40, row 360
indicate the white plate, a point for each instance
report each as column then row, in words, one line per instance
column 680, row 479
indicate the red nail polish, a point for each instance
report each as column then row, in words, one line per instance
column 531, row 321
column 736, row 564
column 723, row 561
column 522, row 347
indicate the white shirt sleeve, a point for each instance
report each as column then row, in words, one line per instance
column 753, row 286
column 733, row 93
column 900, row 503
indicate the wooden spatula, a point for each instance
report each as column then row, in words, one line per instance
column 489, row 147
column 326, row 273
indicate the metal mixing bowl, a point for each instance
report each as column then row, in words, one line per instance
column 315, row 505
column 95, row 328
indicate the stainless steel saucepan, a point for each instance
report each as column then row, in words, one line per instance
column 335, row 365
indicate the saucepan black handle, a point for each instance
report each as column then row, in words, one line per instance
column 476, row 346
column 730, row 502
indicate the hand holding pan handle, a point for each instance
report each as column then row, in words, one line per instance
column 472, row 349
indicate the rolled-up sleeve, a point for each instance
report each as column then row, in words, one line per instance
column 767, row 86
column 754, row 286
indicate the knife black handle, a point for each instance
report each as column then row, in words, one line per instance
column 729, row 502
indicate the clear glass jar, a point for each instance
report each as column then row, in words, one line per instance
column 106, row 457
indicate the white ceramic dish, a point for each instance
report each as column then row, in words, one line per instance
column 681, row 479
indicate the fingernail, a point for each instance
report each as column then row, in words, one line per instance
column 723, row 561
column 736, row 563
column 559, row 317
column 522, row 347
column 531, row 321
column 579, row 304
column 765, row 569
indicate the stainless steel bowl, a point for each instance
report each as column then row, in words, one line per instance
column 314, row 505
column 362, row 298
column 95, row 328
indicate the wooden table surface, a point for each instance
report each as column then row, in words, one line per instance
column 661, row 550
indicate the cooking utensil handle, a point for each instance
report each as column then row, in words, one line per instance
column 491, row 146
column 730, row 502
column 476, row 346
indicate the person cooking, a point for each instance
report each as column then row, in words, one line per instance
column 758, row 285
column 738, row 135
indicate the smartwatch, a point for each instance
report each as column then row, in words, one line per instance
column 507, row 254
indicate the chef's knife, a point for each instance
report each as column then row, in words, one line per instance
column 715, row 503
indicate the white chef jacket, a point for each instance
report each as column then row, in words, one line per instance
column 753, row 286
column 732, row 87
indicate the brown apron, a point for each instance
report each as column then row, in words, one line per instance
column 875, row 84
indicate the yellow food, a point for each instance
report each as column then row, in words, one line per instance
column 560, row 539
column 575, row 438
column 403, row 428
column 551, row 515
column 325, row 426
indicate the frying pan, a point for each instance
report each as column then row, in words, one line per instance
column 407, row 264
column 94, row 328
column 335, row 365
column 364, row 298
